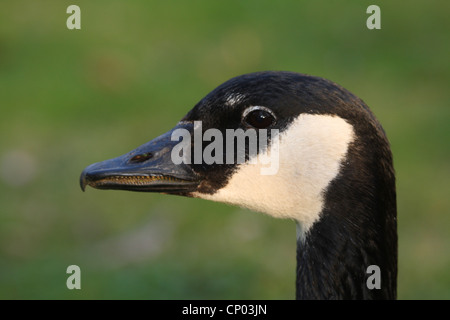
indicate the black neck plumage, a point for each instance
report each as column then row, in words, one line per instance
column 357, row 229
column 334, row 262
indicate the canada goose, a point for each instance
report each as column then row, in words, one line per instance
column 334, row 177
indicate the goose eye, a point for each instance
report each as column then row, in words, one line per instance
column 259, row 119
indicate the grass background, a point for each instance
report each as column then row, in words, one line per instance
column 69, row 98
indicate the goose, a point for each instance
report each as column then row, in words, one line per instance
column 334, row 174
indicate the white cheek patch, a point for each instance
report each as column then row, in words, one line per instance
column 311, row 151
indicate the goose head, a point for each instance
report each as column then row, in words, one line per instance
column 291, row 146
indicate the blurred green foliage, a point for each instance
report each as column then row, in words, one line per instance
column 69, row 98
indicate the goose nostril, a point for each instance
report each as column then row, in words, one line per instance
column 141, row 157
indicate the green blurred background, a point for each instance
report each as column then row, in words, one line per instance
column 69, row 98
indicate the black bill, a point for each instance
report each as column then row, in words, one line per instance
column 148, row 168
